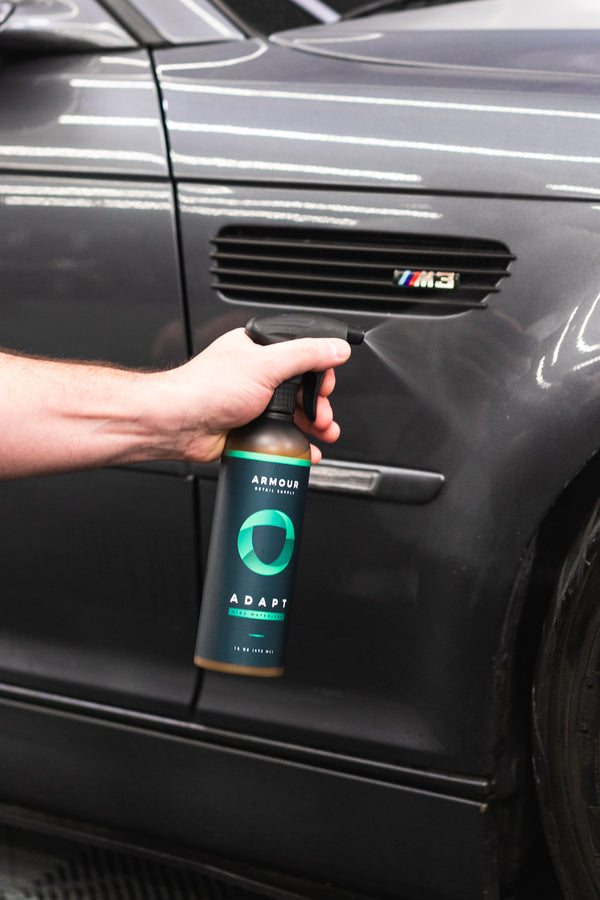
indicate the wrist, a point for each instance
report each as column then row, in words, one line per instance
column 171, row 423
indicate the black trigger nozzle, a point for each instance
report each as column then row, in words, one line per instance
column 355, row 335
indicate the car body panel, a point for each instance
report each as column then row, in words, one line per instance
column 96, row 113
column 409, row 128
column 89, row 264
column 99, row 588
column 56, row 25
column 92, row 267
column 502, row 36
column 70, row 762
column 444, row 571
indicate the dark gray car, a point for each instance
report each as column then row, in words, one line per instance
column 168, row 171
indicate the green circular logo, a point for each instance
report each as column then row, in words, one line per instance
column 276, row 519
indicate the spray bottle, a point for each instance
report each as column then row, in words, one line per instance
column 258, row 516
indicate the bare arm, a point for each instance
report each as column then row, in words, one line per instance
column 58, row 416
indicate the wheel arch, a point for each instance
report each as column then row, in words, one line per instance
column 534, row 600
column 533, row 596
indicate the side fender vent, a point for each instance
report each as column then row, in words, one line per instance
column 363, row 271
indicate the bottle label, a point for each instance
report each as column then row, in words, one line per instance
column 252, row 559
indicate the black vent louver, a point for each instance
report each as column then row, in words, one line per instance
column 366, row 271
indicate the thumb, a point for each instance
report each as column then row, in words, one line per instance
column 295, row 357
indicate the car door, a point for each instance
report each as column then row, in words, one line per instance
column 98, row 591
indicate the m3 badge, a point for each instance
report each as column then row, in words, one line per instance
column 423, row 278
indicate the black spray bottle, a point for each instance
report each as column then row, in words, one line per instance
column 258, row 517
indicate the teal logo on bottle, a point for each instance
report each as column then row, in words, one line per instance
column 276, row 519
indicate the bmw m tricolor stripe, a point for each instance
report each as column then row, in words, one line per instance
column 423, row 278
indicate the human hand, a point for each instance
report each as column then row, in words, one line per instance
column 231, row 382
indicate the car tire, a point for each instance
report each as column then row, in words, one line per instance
column 566, row 719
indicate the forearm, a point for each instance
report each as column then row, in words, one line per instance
column 58, row 416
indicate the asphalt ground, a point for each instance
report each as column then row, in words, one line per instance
column 43, row 867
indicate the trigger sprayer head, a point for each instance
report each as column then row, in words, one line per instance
column 288, row 327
